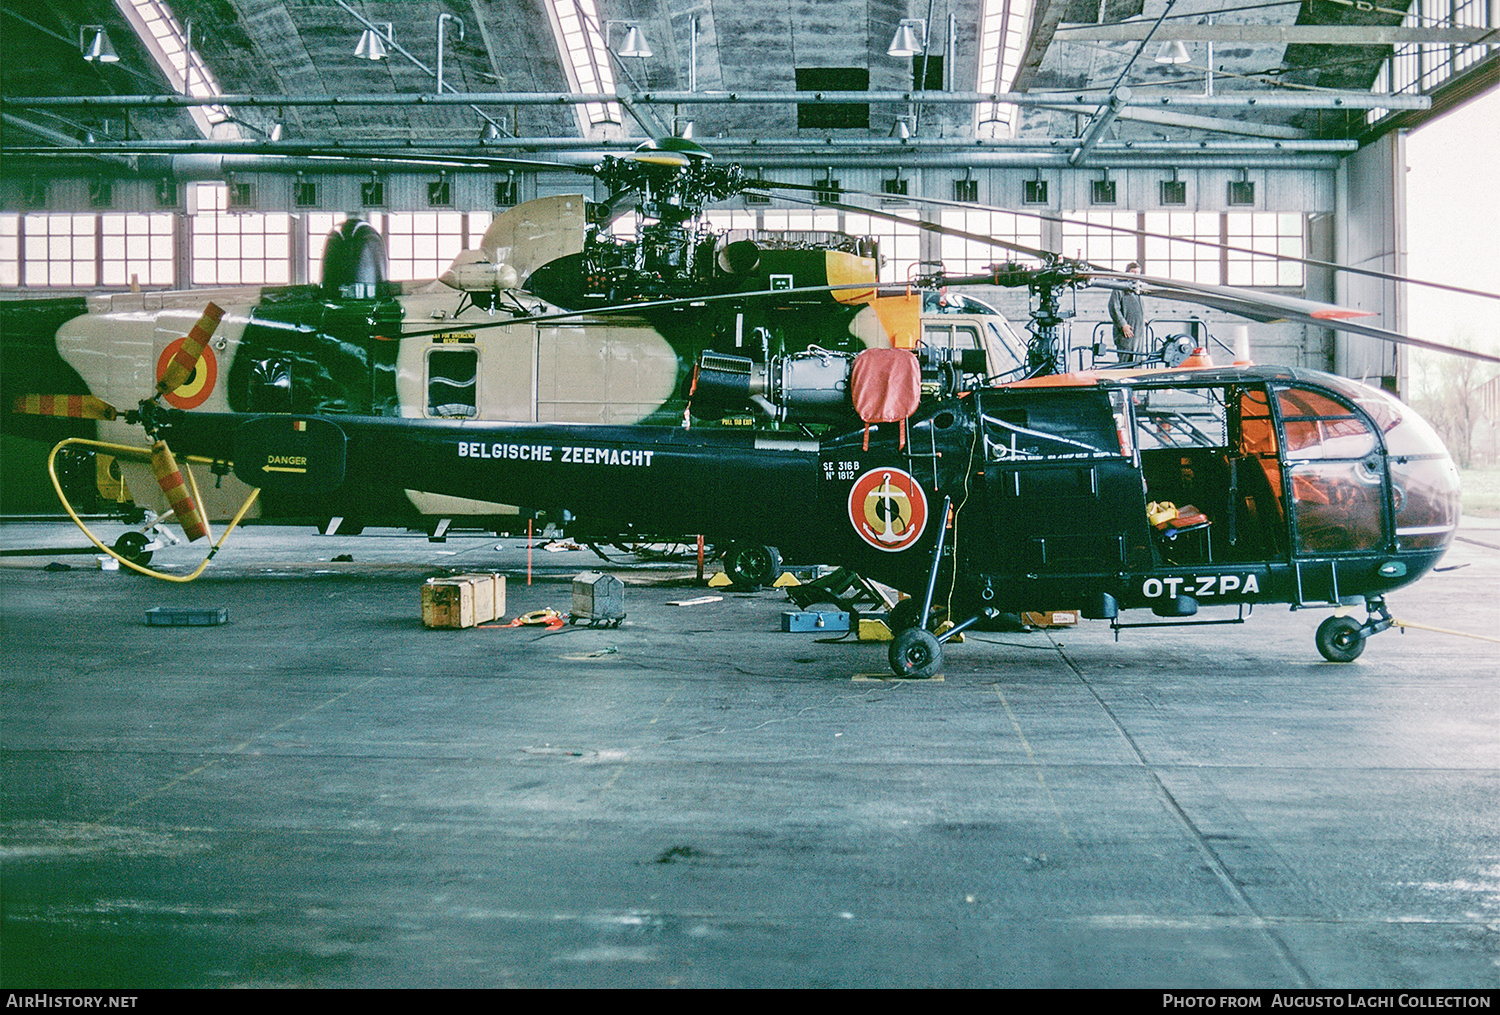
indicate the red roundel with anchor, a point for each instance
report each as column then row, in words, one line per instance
column 888, row 508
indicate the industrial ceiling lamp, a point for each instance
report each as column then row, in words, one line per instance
column 372, row 43
column 95, row 45
column 1172, row 52
column 906, row 41
column 634, row 43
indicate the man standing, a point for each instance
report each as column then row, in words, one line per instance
column 1125, row 312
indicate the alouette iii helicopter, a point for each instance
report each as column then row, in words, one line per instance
column 1160, row 489
column 1108, row 491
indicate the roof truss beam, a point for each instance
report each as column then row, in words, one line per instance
column 1288, row 99
column 1329, row 35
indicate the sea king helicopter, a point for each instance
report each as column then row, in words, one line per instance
column 632, row 272
column 1103, row 491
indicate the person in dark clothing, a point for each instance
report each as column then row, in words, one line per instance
column 1126, row 313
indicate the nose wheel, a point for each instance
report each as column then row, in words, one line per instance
column 1342, row 639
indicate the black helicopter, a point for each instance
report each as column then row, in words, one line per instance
column 1165, row 489
column 1162, row 489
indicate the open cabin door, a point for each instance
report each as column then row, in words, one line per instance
column 1063, row 497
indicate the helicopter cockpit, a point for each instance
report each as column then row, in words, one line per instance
column 1292, row 466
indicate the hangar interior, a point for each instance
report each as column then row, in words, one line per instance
column 192, row 144
column 315, row 788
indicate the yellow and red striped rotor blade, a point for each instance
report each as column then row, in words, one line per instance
column 75, row 406
column 185, row 360
column 174, row 485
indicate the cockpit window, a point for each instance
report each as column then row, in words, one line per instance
column 1405, row 432
column 1318, row 426
column 452, row 383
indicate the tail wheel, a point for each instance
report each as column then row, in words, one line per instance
column 1341, row 639
column 752, row 564
column 915, row 654
column 132, row 546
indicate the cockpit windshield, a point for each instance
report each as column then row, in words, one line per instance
column 1405, row 432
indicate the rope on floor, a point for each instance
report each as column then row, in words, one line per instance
column 1404, row 624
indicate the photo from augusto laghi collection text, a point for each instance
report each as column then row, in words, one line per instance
column 1328, row 999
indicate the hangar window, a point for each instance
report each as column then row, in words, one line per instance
column 1103, row 237
column 900, row 243
column 422, row 245
column 1003, row 36
column 60, row 250
column 10, row 249
column 237, row 249
column 965, row 256
column 580, row 39
column 1183, row 245
column 167, row 40
column 1269, row 232
column 138, row 247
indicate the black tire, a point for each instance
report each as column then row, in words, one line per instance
column 752, row 564
column 915, row 654
column 132, row 546
column 1340, row 639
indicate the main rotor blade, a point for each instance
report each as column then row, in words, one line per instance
column 1276, row 307
column 1041, row 255
column 873, row 288
column 1266, row 307
column 1041, row 216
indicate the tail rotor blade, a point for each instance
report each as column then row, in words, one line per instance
column 185, row 360
column 174, row 484
column 71, row 406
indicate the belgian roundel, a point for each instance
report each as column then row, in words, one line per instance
column 196, row 389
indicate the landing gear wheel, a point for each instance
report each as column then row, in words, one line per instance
column 132, row 546
column 752, row 564
column 915, row 654
column 1340, row 640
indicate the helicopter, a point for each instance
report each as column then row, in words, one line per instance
column 977, row 491
column 1105, row 491
column 648, row 283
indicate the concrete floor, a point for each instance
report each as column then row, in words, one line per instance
column 323, row 793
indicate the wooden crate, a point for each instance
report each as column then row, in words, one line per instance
column 489, row 595
column 448, row 603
